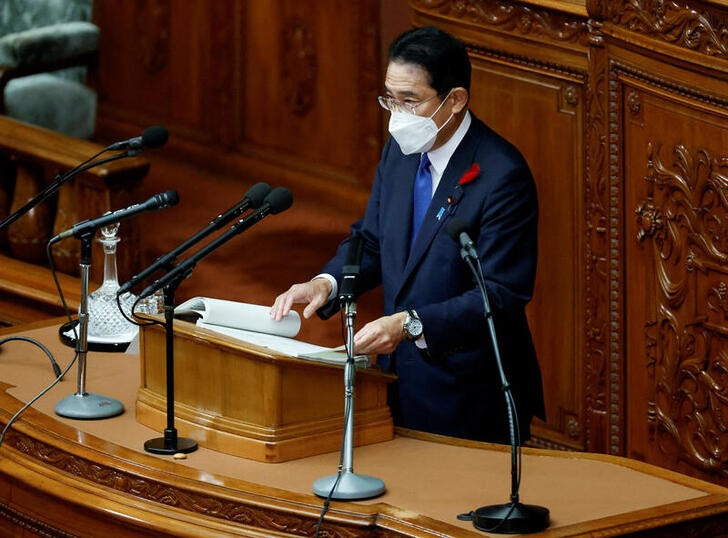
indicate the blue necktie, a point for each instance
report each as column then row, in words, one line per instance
column 422, row 195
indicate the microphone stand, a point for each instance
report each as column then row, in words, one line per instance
column 170, row 443
column 346, row 484
column 53, row 187
column 84, row 405
column 513, row 517
column 167, row 261
column 186, row 266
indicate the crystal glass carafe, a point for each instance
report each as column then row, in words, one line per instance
column 106, row 322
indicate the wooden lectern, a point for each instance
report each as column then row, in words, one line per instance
column 245, row 400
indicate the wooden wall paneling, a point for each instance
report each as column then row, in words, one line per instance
column 507, row 96
column 283, row 92
column 309, row 101
column 668, row 105
column 170, row 62
column 676, row 181
column 603, row 419
column 529, row 84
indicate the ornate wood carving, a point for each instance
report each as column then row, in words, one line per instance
column 684, row 218
column 151, row 490
column 23, row 521
column 596, row 203
column 615, row 295
column 680, row 23
column 511, row 17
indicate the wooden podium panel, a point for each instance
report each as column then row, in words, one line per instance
column 248, row 401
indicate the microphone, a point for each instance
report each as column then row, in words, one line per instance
column 252, row 199
column 158, row 201
column 513, row 517
column 152, row 137
column 278, row 200
column 458, row 230
column 351, row 269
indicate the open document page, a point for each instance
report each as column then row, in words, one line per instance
column 252, row 323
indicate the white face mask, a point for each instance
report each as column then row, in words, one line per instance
column 415, row 134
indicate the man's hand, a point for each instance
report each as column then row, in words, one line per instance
column 380, row 336
column 314, row 292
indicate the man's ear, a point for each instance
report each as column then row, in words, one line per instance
column 459, row 98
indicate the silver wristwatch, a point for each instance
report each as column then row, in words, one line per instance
column 412, row 327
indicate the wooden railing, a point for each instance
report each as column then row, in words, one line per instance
column 30, row 159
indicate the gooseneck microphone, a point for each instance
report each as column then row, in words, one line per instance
column 162, row 200
column 458, row 230
column 278, row 200
column 513, row 517
column 152, row 137
column 252, row 199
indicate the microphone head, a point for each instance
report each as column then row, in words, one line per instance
column 154, row 137
column 279, row 200
column 455, row 227
column 165, row 199
column 256, row 194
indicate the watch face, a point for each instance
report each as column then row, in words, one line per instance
column 413, row 327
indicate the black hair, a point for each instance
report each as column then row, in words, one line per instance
column 440, row 54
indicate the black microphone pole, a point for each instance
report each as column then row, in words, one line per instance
column 252, row 199
column 278, row 200
column 513, row 517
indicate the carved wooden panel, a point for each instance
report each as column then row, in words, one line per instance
column 601, row 365
column 676, row 272
column 500, row 96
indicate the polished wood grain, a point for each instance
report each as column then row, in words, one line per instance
column 64, row 477
column 28, row 292
column 278, row 91
column 245, row 400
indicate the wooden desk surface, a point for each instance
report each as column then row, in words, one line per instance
column 429, row 479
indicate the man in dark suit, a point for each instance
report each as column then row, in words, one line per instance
column 443, row 163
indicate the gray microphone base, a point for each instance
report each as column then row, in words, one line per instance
column 351, row 486
column 88, row 406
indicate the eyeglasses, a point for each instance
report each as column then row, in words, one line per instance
column 393, row 105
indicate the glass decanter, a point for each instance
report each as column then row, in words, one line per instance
column 106, row 322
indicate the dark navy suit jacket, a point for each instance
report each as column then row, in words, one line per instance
column 454, row 388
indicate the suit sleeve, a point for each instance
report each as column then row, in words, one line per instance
column 368, row 227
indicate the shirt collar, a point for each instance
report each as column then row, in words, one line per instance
column 441, row 156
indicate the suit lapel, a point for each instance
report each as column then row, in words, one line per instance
column 459, row 163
